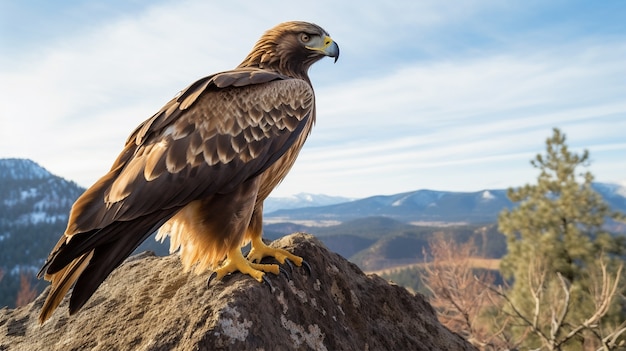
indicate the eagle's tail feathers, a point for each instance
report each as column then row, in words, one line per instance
column 62, row 281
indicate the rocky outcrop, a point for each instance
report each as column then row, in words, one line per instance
column 149, row 304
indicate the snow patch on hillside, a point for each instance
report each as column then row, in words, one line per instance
column 400, row 201
column 487, row 195
column 621, row 189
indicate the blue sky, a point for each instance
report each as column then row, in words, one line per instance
column 426, row 95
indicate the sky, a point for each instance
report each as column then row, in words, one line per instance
column 440, row 95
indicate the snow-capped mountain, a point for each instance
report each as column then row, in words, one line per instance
column 414, row 206
column 34, row 207
column 301, row 200
column 613, row 194
column 21, row 169
column 30, row 195
column 428, row 206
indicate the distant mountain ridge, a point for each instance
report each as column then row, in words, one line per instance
column 428, row 206
column 414, row 206
column 300, row 200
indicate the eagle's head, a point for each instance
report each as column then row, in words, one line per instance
column 291, row 48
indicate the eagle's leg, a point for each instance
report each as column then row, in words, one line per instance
column 259, row 250
column 235, row 262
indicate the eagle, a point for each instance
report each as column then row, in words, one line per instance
column 198, row 171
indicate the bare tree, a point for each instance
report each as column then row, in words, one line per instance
column 27, row 292
column 548, row 326
column 470, row 304
column 458, row 293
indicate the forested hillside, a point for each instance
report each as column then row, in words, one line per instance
column 33, row 213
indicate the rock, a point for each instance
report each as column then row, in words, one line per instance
column 149, row 304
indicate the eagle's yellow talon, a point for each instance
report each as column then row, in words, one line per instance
column 259, row 250
column 236, row 262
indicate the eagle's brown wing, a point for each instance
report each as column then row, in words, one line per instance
column 219, row 132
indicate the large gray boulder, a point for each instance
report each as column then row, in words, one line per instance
column 148, row 303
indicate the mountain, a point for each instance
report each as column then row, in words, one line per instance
column 272, row 204
column 33, row 212
column 415, row 206
column 613, row 194
column 427, row 207
column 34, row 208
column 21, row 169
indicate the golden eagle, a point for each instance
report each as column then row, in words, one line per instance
column 199, row 171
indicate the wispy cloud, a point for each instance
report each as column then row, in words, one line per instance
column 490, row 113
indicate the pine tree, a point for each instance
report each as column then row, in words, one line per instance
column 556, row 241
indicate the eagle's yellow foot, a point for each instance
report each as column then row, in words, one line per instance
column 259, row 250
column 236, row 262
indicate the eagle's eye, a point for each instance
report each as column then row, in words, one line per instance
column 305, row 38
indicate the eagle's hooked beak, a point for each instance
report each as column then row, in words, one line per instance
column 329, row 48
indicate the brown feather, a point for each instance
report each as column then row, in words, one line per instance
column 62, row 281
